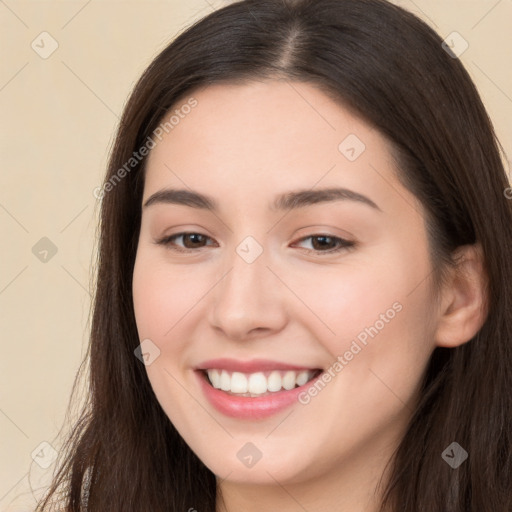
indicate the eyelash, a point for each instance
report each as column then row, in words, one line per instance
column 342, row 243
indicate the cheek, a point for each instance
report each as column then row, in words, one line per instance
column 163, row 299
column 374, row 313
column 162, row 295
column 345, row 298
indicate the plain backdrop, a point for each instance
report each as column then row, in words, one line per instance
column 67, row 69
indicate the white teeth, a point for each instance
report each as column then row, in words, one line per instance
column 302, row 378
column 214, row 376
column 225, row 381
column 274, row 381
column 289, row 380
column 238, row 383
column 256, row 384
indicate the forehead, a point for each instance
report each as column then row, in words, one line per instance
column 260, row 138
column 241, row 116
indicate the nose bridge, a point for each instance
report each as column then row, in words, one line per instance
column 245, row 299
column 248, row 275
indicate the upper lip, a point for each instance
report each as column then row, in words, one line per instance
column 252, row 366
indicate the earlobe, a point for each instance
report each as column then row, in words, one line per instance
column 464, row 299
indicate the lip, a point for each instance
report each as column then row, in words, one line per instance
column 252, row 366
column 250, row 408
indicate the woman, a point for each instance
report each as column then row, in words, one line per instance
column 302, row 297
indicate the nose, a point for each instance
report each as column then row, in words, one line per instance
column 249, row 301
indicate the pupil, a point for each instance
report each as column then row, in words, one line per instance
column 323, row 238
column 193, row 236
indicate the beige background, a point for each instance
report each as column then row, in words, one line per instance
column 58, row 116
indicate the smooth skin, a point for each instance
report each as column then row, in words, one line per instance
column 298, row 302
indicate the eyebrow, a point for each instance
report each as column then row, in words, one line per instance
column 287, row 201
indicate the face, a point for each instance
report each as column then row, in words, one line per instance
column 312, row 312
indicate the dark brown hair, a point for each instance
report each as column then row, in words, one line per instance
column 390, row 68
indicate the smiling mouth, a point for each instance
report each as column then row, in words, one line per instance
column 258, row 384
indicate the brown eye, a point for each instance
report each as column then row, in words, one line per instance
column 323, row 242
column 327, row 243
column 190, row 241
column 194, row 240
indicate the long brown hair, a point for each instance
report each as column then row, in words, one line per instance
column 391, row 69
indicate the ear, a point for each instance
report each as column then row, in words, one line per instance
column 464, row 299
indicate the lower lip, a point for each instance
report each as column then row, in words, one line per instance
column 255, row 408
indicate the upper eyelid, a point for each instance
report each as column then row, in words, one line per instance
column 317, row 234
column 313, row 235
